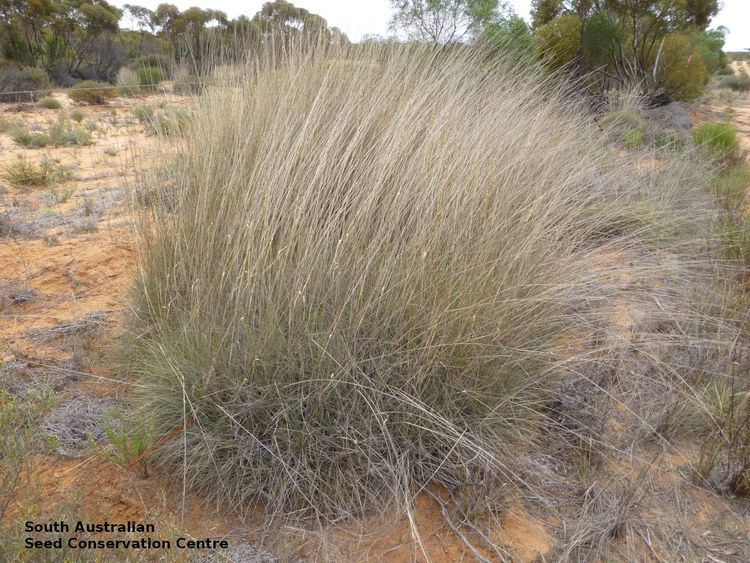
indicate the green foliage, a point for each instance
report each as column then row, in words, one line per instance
column 50, row 103
column 511, row 34
column 711, row 45
column 443, row 21
column 624, row 42
column 55, row 34
column 25, row 173
column 23, row 84
column 92, row 92
column 29, row 139
column 719, row 139
column 544, row 11
column 62, row 132
column 682, row 73
column 559, row 41
column 602, row 36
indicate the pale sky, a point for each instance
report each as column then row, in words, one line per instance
column 361, row 17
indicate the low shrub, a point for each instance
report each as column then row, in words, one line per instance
column 77, row 115
column 737, row 82
column 61, row 132
column 92, row 92
column 50, row 103
column 25, row 173
column 26, row 84
column 719, row 139
column 29, row 139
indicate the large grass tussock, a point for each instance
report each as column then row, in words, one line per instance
column 357, row 275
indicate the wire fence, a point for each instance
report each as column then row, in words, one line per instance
column 123, row 90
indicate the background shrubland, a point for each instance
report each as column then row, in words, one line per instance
column 670, row 53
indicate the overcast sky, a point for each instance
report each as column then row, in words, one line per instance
column 360, row 17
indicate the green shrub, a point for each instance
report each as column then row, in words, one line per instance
column 738, row 83
column 719, row 139
column 92, row 92
column 25, row 84
column 50, row 103
column 682, row 74
column 77, row 115
column 559, row 41
column 159, row 61
column 150, row 76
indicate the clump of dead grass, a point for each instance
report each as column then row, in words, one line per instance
column 23, row 172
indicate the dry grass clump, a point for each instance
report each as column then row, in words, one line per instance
column 24, row 173
column 359, row 276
